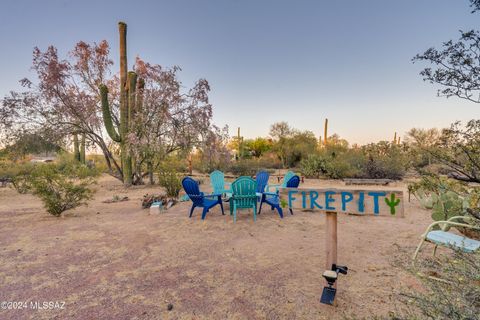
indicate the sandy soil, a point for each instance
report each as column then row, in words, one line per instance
column 115, row 261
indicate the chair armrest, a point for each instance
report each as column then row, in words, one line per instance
column 448, row 224
column 237, row 197
column 464, row 218
column 270, row 194
column 213, row 195
column 272, row 185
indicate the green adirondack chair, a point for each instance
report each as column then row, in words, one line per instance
column 287, row 177
column 244, row 196
column 217, row 180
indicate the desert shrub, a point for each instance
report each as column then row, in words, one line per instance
column 61, row 189
column 452, row 289
column 175, row 163
column 169, row 179
column 97, row 162
column 339, row 169
column 384, row 160
column 19, row 174
column 332, row 163
column 313, row 166
column 249, row 167
column 291, row 145
column 242, row 168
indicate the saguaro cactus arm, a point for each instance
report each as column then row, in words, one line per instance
column 132, row 86
column 139, row 95
column 107, row 116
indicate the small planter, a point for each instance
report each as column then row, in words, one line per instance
column 156, row 208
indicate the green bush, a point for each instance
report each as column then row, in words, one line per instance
column 169, row 179
column 249, row 167
column 384, row 160
column 329, row 164
column 313, row 166
column 19, row 174
column 60, row 190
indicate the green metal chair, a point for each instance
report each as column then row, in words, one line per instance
column 447, row 239
column 244, row 196
column 286, row 178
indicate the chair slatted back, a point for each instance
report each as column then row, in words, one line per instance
column 287, row 177
column 191, row 188
column 217, row 180
column 293, row 182
column 262, row 180
column 244, row 191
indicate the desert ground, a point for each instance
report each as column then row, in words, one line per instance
column 116, row 261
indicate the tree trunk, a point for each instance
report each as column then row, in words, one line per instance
column 150, row 172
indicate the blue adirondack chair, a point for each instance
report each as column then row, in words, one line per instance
column 273, row 198
column 287, row 177
column 262, row 181
column 217, row 180
column 199, row 199
column 244, row 196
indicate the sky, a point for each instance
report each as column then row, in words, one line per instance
column 267, row 60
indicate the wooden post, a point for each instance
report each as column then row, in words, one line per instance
column 331, row 240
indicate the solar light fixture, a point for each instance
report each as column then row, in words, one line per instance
column 328, row 294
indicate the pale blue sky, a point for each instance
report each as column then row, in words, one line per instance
column 267, row 61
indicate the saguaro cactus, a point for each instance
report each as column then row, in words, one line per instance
column 325, row 133
column 128, row 84
column 82, row 149
column 76, row 150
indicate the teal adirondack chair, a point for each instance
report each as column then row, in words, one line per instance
column 217, row 180
column 286, row 178
column 244, row 196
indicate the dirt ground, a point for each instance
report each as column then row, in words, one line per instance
column 115, row 261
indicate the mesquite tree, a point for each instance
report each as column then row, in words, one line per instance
column 167, row 120
column 456, row 65
column 457, row 71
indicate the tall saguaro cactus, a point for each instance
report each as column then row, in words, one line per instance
column 76, row 148
column 82, row 149
column 325, row 133
column 128, row 84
